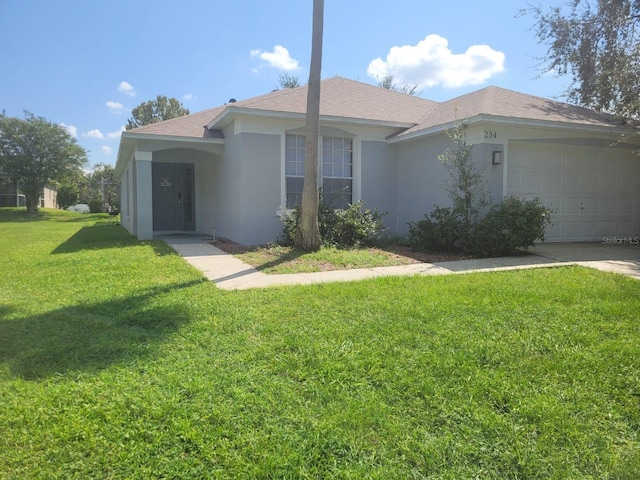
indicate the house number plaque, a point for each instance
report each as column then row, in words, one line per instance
column 165, row 182
column 490, row 134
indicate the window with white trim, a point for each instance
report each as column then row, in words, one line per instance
column 294, row 169
column 336, row 170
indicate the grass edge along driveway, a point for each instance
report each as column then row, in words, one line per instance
column 117, row 360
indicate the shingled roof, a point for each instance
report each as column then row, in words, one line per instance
column 193, row 125
column 348, row 99
column 352, row 100
column 500, row 102
column 340, row 98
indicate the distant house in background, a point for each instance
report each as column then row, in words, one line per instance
column 11, row 196
column 234, row 168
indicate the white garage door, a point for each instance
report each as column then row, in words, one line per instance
column 594, row 191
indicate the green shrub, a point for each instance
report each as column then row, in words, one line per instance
column 95, row 206
column 289, row 219
column 511, row 225
column 439, row 231
column 354, row 226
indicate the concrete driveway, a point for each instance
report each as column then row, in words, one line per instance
column 619, row 258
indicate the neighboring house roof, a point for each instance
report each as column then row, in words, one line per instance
column 346, row 100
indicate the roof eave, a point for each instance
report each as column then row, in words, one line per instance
column 605, row 129
column 231, row 113
column 128, row 143
column 173, row 138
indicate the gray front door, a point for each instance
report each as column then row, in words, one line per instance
column 173, row 197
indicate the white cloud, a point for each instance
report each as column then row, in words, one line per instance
column 115, row 107
column 95, row 133
column 106, row 149
column 188, row 96
column 279, row 58
column 431, row 63
column 127, row 89
column 117, row 133
column 73, row 131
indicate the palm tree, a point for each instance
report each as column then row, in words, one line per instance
column 308, row 234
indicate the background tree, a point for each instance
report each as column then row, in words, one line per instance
column 286, row 80
column 97, row 186
column 67, row 195
column 35, row 152
column 153, row 111
column 308, row 235
column 104, row 186
column 389, row 83
column 598, row 46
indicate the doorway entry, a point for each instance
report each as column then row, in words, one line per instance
column 173, row 197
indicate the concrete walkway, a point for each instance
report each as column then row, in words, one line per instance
column 229, row 273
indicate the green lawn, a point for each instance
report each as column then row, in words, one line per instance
column 118, row 360
column 278, row 259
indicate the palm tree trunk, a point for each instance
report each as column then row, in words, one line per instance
column 308, row 234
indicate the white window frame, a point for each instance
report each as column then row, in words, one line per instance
column 355, row 166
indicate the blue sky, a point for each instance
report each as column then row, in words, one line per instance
column 86, row 64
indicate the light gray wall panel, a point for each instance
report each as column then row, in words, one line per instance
column 226, row 195
column 378, row 180
column 483, row 155
column 261, row 180
column 421, row 176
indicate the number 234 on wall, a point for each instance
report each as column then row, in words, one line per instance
column 490, row 134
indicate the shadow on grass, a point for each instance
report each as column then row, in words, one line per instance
column 89, row 338
column 5, row 310
column 103, row 236
column 281, row 258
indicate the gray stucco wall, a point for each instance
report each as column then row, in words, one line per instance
column 127, row 193
column 483, row 155
column 420, row 179
column 378, row 180
column 421, row 176
column 260, row 188
column 226, row 201
column 246, row 193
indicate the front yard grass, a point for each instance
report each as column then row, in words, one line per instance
column 118, row 360
column 278, row 259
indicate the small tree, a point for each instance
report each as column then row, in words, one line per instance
column 467, row 187
column 153, row 111
column 35, row 152
column 286, row 80
column 389, row 83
